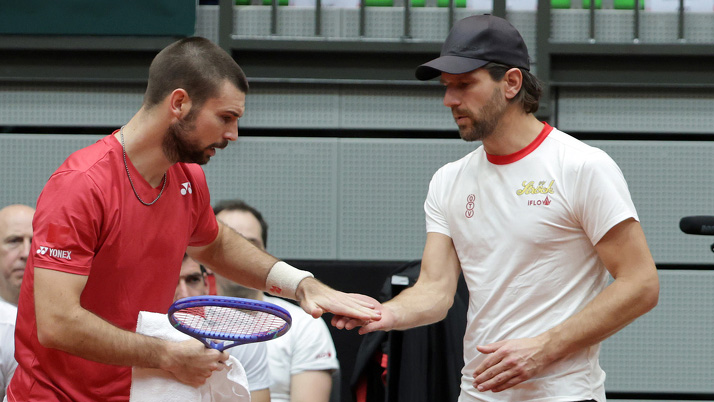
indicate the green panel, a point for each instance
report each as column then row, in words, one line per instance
column 280, row 2
column 627, row 4
column 457, row 3
column 379, row 3
column 98, row 17
column 418, row 3
column 586, row 3
column 242, row 2
column 560, row 3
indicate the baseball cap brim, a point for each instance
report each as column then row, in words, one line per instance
column 448, row 64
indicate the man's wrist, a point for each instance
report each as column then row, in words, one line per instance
column 283, row 280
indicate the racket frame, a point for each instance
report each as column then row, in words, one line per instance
column 230, row 302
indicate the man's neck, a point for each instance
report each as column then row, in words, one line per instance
column 514, row 132
column 143, row 137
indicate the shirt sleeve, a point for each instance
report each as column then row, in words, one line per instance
column 433, row 206
column 206, row 228
column 602, row 197
column 67, row 224
column 7, row 356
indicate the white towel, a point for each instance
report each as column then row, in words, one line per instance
column 152, row 385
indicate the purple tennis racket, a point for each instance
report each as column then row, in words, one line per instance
column 223, row 322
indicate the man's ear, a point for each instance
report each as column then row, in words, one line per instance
column 513, row 80
column 179, row 103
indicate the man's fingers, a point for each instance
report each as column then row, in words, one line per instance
column 501, row 382
column 364, row 300
column 513, row 381
column 371, row 327
column 485, row 365
column 491, row 360
column 339, row 321
column 348, row 323
column 490, row 348
column 359, row 312
column 490, row 373
column 492, row 377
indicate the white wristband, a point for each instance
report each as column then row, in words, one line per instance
column 283, row 279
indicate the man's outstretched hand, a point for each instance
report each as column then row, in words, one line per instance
column 316, row 298
column 385, row 323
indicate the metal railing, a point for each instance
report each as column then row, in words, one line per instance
column 226, row 11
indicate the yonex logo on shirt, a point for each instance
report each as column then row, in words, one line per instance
column 65, row 255
column 186, row 188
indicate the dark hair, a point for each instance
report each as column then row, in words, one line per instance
column 530, row 91
column 195, row 64
column 240, row 205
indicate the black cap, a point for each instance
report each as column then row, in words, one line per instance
column 475, row 41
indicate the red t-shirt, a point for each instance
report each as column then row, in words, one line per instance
column 89, row 222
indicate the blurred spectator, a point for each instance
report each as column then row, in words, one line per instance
column 15, row 239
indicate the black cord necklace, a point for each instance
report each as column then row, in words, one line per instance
column 126, row 166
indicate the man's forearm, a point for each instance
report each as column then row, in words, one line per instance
column 84, row 334
column 418, row 306
column 235, row 258
column 614, row 308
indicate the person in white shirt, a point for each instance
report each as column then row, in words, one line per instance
column 535, row 220
column 8, row 313
column 303, row 360
column 252, row 356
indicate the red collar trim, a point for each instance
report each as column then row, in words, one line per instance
column 516, row 156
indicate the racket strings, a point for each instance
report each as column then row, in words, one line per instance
column 229, row 321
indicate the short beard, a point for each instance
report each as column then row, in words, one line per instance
column 491, row 114
column 177, row 145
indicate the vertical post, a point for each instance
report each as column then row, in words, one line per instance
column 407, row 19
column 636, row 33
column 592, row 21
column 680, row 33
column 542, row 58
column 225, row 24
column 452, row 6
column 499, row 8
column 318, row 17
column 361, row 18
column 274, row 17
